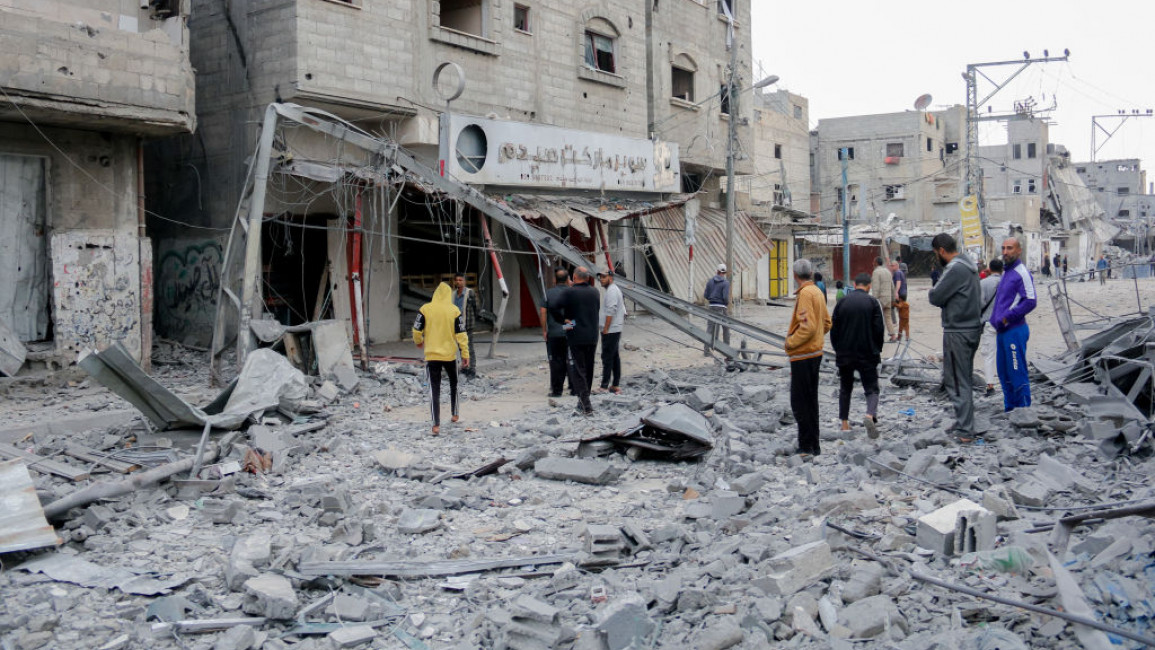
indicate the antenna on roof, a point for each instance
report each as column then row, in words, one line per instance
column 922, row 102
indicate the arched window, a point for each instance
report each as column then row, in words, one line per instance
column 601, row 46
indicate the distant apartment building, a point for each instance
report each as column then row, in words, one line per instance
column 909, row 164
column 1121, row 189
column 487, row 88
column 83, row 84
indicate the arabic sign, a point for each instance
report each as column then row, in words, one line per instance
column 972, row 226
column 496, row 152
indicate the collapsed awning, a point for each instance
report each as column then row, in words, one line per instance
column 665, row 230
column 572, row 211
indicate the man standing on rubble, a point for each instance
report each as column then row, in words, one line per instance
column 717, row 295
column 1014, row 299
column 577, row 310
column 440, row 331
column 614, row 315
column 988, row 345
column 1101, row 266
column 857, row 339
column 901, row 306
column 808, row 327
column 882, row 288
column 959, row 297
column 554, row 335
column 465, row 299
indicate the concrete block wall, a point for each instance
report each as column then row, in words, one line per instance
column 775, row 124
column 68, row 62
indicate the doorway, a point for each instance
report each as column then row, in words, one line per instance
column 25, row 291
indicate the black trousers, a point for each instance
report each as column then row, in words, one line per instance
column 471, row 371
column 555, row 351
column 804, row 402
column 869, row 374
column 433, row 376
column 581, row 371
column 611, row 360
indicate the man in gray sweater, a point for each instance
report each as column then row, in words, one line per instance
column 959, row 296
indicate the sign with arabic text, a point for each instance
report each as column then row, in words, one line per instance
column 972, row 226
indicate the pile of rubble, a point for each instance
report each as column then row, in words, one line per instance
column 677, row 516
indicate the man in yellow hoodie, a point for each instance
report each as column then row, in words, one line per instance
column 440, row 331
column 804, row 342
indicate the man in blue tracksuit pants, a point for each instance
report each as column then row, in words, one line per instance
column 1014, row 299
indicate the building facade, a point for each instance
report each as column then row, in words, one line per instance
column 1123, row 192
column 84, row 84
column 424, row 74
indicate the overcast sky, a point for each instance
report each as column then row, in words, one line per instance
column 859, row 58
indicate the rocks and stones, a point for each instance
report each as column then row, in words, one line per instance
column 625, row 623
column 796, row 569
column 1031, row 492
column 414, row 521
column 271, row 596
column 871, row 617
column 702, row 399
column 866, row 581
column 578, row 470
column 351, row 637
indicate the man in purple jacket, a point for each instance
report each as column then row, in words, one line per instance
column 1014, row 299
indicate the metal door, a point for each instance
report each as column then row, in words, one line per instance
column 24, row 275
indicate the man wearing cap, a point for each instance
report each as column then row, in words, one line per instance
column 613, row 315
column 717, row 296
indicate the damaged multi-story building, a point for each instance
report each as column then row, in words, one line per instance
column 1122, row 190
column 602, row 122
column 83, row 85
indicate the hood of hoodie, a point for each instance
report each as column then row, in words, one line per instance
column 443, row 295
column 966, row 261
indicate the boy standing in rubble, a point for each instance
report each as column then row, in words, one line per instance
column 440, row 331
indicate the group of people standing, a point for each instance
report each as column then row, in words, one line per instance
column 995, row 310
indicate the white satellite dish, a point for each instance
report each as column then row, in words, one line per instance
column 922, row 102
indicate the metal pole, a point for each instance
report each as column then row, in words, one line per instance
column 732, row 107
column 845, row 222
column 251, row 287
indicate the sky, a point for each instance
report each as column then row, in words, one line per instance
column 861, row 58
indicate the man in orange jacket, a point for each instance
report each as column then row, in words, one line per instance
column 804, row 342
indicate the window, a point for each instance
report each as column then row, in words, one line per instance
column 1030, row 150
column 726, row 7
column 778, row 151
column 929, row 144
column 600, row 52
column 1030, row 186
column 797, row 112
column 894, row 150
column 1124, row 213
column 1123, row 190
column 1017, row 188
column 951, row 147
column 682, row 83
column 849, row 153
column 894, row 192
column 1017, row 151
column 1080, row 170
column 465, row 16
column 725, row 99
column 691, row 183
column 521, row 19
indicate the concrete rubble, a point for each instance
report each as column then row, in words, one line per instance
column 367, row 532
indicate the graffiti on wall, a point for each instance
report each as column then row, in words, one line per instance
column 96, row 290
column 187, row 282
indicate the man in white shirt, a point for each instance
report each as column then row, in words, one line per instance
column 613, row 315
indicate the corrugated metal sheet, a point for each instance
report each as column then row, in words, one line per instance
column 572, row 211
column 665, row 230
column 22, row 522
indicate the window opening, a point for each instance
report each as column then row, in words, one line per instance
column 1031, row 150
column 600, row 52
column 1017, row 151
column 849, row 153
column 895, row 192
column 725, row 95
column 1030, row 186
column 929, row 144
column 778, row 151
column 466, row 16
column 682, row 83
column 521, row 18
column 894, row 150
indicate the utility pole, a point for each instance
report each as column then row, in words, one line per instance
column 732, row 108
column 845, row 156
column 1122, row 116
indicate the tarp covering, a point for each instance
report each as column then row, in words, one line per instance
column 665, row 230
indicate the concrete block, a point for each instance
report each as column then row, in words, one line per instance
column 720, row 635
column 351, row 637
column 795, row 569
column 866, row 581
column 936, row 531
column 347, row 607
column 975, row 531
column 414, row 521
column 241, row 637
column 998, row 500
column 578, row 470
column 725, row 504
column 702, row 399
column 1031, row 492
column 1061, row 477
column 625, row 623
column 871, row 617
column 748, row 483
column 529, row 608
column 271, row 596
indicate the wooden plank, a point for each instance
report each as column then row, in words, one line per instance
column 94, row 456
column 44, row 465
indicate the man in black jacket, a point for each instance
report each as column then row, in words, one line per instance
column 856, row 334
column 577, row 309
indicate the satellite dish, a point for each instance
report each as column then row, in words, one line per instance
column 922, row 102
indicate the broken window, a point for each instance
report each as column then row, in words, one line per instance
column 894, row 192
column 778, row 151
column 465, row 16
column 682, row 83
column 894, row 150
column 725, row 94
column 521, row 18
column 779, row 195
column 849, row 153
column 726, row 7
column 951, row 147
column 929, row 144
column 1030, row 150
column 1017, row 188
column 1124, row 213
column 1080, row 170
column 691, row 183
column 1030, row 186
column 1123, row 190
column 600, row 52
column 1016, row 151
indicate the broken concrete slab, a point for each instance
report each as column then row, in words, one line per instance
column 241, row 637
column 937, row 530
column 998, row 500
column 1061, row 477
column 871, row 616
column 625, row 623
column 702, row 399
column 578, row 470
column 796, row 569
column 272, row 596
column 12, row 351
column 394, row 459
column 866, row 581
column 414, row 521
column 1031, row 492
column 351, row 637
column 748, row 484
